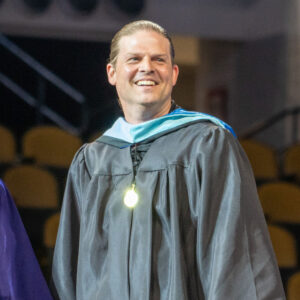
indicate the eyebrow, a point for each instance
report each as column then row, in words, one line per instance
column 140, row 54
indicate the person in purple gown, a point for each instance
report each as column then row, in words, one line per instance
column 20, row 274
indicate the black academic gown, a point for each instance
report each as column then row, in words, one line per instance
column 197, row 232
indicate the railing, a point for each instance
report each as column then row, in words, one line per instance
column 44, row 76
column 258, row 127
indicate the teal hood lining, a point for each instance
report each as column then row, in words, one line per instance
column 127, row 133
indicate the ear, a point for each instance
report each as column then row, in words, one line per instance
column 111, row 74
column 175, row 74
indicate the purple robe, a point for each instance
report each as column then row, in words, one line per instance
column 20, row 275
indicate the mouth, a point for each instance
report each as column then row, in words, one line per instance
column 146, row 83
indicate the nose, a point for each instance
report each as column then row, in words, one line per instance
column 146, row 65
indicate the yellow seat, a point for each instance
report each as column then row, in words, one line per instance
column 50, row 230
column 284, row 245
column 280, row 201
column 291, row 163
column 50, row 145
column 262, row 158
column 32, row 187
column 293, row 287
column 8, row 146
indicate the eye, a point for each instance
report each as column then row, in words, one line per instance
column 133, row 59
column 160, row 59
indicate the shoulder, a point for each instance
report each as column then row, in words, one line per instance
column 200, row 140
column 84, row 154
column 211, row 141
column 215, row 142
column 204, row 132
column 100, row 158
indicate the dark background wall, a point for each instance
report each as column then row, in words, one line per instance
column 260, row 85
column 81, row 64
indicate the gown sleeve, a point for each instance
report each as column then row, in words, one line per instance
column 64, row 268
column 235, row 258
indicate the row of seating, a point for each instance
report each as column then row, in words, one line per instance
column 44, row 145
column 52, row 146
column 36, row 187
column 268, row 164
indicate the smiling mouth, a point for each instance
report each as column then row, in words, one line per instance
column 146, row 83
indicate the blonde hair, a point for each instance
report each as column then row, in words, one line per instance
column 132, row 28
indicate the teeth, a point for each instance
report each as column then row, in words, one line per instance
column 145, row 82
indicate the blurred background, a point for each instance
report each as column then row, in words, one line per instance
column 239, row 60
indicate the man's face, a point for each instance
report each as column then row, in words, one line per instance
column 143, row 73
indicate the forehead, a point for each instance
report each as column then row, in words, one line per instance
column 144, row 41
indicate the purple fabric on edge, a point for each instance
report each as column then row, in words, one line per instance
column 20, row 274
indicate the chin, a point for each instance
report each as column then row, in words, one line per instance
column 151, row 101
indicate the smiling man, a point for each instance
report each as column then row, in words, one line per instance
column 163, row 206
column 144, row 75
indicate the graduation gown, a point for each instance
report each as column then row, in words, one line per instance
column 197, row 232
column 20, row 274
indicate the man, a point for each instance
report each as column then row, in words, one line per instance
column 163, row 205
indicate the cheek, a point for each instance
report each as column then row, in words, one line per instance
column 167, row 75
column 123, row 74
column 128, row 72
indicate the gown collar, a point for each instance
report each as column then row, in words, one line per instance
column 136, row 133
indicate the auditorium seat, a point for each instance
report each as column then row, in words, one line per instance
column 286, row 251
column 49, row 239
column 285, row 246
column 291, row 162
column 280, row 201
column 32, row 186
column 50, row 146
column 50, row 230
column 8, row 146
column 293, row 287
column 263, row 160
column 35, row 192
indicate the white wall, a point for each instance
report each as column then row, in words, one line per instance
column 206, row 18
column 251, row 61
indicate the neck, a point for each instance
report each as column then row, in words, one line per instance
column 142, row 113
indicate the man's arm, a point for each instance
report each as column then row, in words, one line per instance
column 64, row 269
column 234, row 253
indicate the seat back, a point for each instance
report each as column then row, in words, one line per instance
column 280, row 201
column 7, row 145
column 293, row 287
column 50, row 230
column 50, row 145
column 291, row 162
column 262, row 158
column 285, row 247
column 32, row 187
